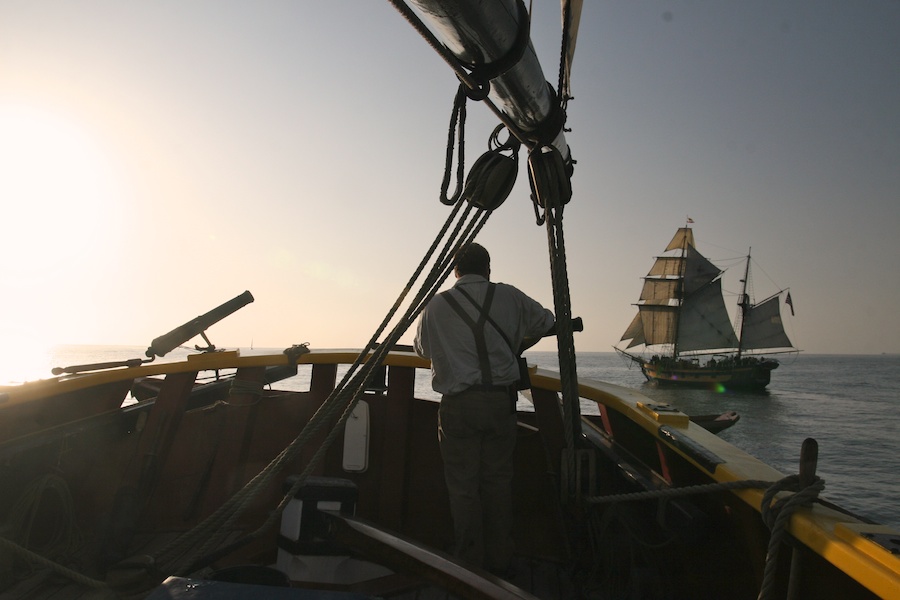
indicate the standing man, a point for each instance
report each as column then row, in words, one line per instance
column 473, row 334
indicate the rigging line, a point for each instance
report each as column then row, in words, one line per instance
column 757, row 267
column 421, row 266
column 427, row 291
column 564, row 334
column 563, row 86
column 212, row 523
column 339, row 397
column 364, row 377
column 553, row 220
column 457, row 123
column 443, row 266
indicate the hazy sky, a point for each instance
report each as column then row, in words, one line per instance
column 159, row 158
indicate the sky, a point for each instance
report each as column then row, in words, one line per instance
column 158, row 159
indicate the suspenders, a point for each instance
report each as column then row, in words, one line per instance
column 478, row 328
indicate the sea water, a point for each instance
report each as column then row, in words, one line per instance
column 849, row 404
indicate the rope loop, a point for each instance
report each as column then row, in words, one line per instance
column 457, row 123
column 478, row 92
column 771, row 511
column 776, row 515
column 252, row 390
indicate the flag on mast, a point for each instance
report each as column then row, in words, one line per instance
column 789, row 302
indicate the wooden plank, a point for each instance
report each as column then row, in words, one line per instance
column 394, row 448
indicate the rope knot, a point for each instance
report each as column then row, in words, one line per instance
column 244, row 392
column 296, row 351
column 771, row 509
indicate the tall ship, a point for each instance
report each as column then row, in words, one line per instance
column 686, row 330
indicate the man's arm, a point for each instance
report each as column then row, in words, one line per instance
column 420, row 343
column 577, row 325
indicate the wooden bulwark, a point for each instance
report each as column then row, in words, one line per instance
column 156, row 468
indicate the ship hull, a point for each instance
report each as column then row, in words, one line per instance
column 139, row 477
column 680, row 373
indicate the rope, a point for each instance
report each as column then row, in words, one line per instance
column 26, row 511
column 210, row 534
column 681, row 491
column 240, row 387
column 563, row 86
column 457, row 123
column 58, row 568
column 565, row 340
column 435, row 44
column 777, row 516
column 343, row 399
column 63, row 544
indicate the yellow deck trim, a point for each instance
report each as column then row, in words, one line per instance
column 855, row 535
column 233, row 359
column 665, row 413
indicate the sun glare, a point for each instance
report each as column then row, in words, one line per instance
column 56, row 187
column 26, row 359
column 58, row 206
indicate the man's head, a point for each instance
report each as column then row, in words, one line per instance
column 473, row 259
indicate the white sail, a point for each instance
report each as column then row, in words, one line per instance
column 704, row 323
column 659, row 291
column 681, row 305
column 698, row 271
column 667, row 266
column 683, row 238
column 658, row 324
column 635, row 331
column 681, row 294
column 763, row 328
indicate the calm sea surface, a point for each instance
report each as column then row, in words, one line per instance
column 849, row 404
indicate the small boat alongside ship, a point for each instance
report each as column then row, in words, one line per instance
column 685, row 327
column 314, row 473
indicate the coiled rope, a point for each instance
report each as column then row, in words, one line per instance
column 777, row 515
column 36, row 558
column 22, row 519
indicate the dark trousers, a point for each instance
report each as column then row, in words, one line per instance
column 477, row 433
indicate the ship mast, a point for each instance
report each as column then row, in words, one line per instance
column 744, row 303
column 680, row 292
column 488, row 46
